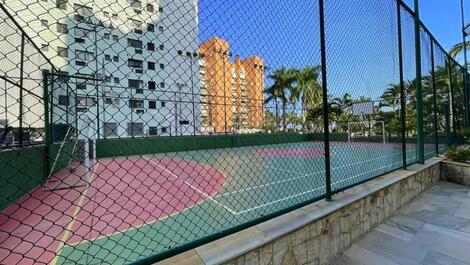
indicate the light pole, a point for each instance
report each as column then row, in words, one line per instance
column 193, row 59
column 95, row 26
column 224, row 54
column 178, row 109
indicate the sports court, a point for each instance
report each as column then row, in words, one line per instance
column 140, row 205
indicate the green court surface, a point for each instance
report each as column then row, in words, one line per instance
column 258, row 181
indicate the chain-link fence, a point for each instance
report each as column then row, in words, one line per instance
column 134, row 130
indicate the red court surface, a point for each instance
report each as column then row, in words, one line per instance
column 125, row 193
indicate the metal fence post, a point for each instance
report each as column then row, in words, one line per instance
column 47, row 133
column 451, row 100
column 21, row 95
column 402, row 85
column 326, row 130
column 434, row 96
column 419, row 89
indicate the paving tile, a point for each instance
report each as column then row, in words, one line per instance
column 399, row 251
column 435, row 258
column 345, row 260
column 405, row 223
column 367, row 257
column 463, row 211
column 446, row 241
column 394, row 232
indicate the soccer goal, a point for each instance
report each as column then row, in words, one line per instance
column 366, row 131
column 71, row 163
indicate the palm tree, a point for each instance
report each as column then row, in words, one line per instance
column 458, row 48
column 283, row 82
column 307, row 90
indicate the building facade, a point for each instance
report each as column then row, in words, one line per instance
column 231, row 92
column 129, row 63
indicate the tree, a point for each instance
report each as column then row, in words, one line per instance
column 283, row 82
column 458, row 48
column 307, row 90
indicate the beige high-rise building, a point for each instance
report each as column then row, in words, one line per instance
column 231, row 92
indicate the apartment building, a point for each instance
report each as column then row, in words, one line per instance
column 130, row 62
column 231, row 92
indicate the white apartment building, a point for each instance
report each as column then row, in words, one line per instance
column 143, row 52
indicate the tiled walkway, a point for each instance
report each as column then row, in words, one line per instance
column 434, row 229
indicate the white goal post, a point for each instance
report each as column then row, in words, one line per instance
column 366, row 128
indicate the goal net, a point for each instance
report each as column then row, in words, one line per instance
column 366, row 131
column 70, row 159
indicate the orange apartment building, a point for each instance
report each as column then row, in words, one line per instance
column 232, row 97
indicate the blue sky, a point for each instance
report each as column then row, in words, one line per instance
column 361, row 36
column 442, row 17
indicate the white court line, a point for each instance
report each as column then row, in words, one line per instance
column 306, row 192
column 303, row 175
column 192, row 187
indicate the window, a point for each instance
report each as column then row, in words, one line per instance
column 135, row 4
column 62, row 28
column 160, row 9
column 114, row 17
column 107, row 57
column 63, row 52
column 160, row 29
column 135, row 129
column 110, row 129
column 135, row 25
column 83, row 33
column 45, row 47
column 164, row 129
column 162, row 47
column 151, row 65
column 139, row 91
column 162, row 85
column 84, row 55
column 151, row 27
column 152, row 104
column 83, row 82
column 107, row 36
column 107, row 79
column 106, row 14
column 86, row 101
column 162, row 104
column 153, row 131
column 150, row 8
column 61, row 4
column 44, row 23
column 136, row 104
column 162, row 66
column 184, row 122
column 116, row 58
column 135, row 84
column 151, row 46
column 134, row 43
column 63, row 100
column 82, row 10
column 115, row 38
column 116, row 80
column 151, row 85
column 135, row 63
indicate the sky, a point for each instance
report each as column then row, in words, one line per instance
column 361, row 39
column 442, row 17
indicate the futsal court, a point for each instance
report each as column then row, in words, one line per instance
column 162, row 201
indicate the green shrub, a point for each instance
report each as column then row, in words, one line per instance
column 458, row 154
column 465, row 134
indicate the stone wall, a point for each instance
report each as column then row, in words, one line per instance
column 456, row 172
column 315, row 234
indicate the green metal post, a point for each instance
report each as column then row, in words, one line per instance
column 47, row 133
column 419, row 89
column 434, row 97
column 402, row 86
column 325, row 101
